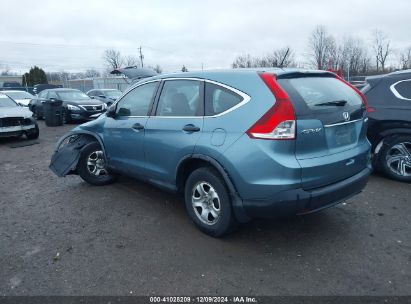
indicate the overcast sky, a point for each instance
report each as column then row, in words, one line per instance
column 72, row 35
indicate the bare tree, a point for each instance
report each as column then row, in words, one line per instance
column 322, row 47
column 353, row 56
column 405, row 58
column 243, row 61
column 382, row 49
column 158, row 69
column 113, row 59
column 282, row 57
column 132, row 60
column 91, row 73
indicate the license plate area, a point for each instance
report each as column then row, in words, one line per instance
column 342, row 135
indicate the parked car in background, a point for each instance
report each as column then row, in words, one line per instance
column 16, row 120
column 237, row 144
column 21, row 97
column 76, row 104
column 389, row 131
column 108, row 96
column 40, row 87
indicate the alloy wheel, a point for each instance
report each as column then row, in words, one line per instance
column 399, row 159
column 96, row 164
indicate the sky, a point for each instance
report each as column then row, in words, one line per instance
column 72, row 35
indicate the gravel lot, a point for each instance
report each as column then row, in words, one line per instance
column 60, row 236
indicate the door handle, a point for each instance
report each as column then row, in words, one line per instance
column 138, row 126
column 191, row 128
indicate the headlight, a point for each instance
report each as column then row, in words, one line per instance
column 105, row 106
column 71, row 107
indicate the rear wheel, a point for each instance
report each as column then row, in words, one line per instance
column 92, row 166
column 394, row 157
column 208, row 202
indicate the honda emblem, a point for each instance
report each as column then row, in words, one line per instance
column 346, row 116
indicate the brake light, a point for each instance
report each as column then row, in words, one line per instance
column 363, row 97
column 279, row 121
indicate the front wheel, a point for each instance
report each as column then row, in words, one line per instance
column 92, row 166
column 33, row 133
column 208, row 202
column 394, row 158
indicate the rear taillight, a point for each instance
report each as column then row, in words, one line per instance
column 363, row 97
column 279, row 121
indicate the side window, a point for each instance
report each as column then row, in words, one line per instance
column 42, row 94
column 180, row 98
column 52, row 94
column 92, row 93
column 137, row 101
column 219, row 99
column 404, row 89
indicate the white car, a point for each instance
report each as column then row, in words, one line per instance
column 16, row 120
column 21, row 97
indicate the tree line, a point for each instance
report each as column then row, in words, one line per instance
column 351, row 55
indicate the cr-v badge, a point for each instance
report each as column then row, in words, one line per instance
column 310, row 131
column 346, row 116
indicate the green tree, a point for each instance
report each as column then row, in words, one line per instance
column 35, row 76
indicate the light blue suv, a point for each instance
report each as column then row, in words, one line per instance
column 237, row 144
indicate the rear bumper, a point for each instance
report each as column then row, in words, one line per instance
column 299, row 201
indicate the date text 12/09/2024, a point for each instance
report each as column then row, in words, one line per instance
column 203, row 299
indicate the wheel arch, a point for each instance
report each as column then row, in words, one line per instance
column 194, row 161
column 383, row 135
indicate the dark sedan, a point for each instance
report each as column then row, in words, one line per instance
column 76, row 104
column 108, row 96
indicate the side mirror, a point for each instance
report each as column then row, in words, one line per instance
column 101, row 96
column 92, row 97
column 111, row 111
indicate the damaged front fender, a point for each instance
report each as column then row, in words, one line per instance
column 67, row 153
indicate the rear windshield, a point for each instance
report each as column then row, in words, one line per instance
column 325, row 92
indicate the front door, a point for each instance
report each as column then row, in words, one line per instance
column 124, row 133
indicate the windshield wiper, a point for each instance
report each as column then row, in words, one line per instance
column 338, row 103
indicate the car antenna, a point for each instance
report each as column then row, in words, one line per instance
column 285, row 56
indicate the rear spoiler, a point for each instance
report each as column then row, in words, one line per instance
column 134, row 73
column 300, row 74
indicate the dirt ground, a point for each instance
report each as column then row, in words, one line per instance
column 61, row 236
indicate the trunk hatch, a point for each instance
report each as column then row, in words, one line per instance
column 330, row 128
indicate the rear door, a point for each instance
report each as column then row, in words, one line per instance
column 174, row 129
column 331, row 140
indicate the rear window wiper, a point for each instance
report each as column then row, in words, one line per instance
column 338, row 103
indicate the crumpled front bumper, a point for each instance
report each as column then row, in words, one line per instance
column 67, row 154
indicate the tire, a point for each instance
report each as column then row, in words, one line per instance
column 33, row 134
column 93, row 151
column 218, row 218
column 394, row 158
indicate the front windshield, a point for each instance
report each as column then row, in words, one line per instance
column 113, row 94
column 5, row 101
column 20, row 95
column 72, row 95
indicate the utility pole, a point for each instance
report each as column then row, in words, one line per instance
column 141, row 57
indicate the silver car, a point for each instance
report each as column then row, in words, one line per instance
column 16, row 120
